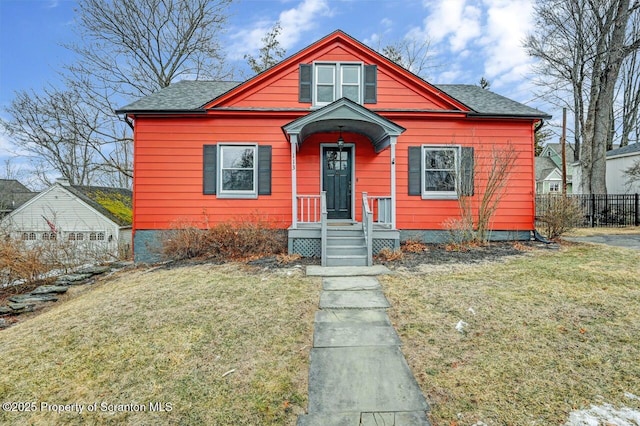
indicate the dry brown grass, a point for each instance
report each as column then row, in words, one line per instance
column 590, row 232
column 168, row 336
column 546, row 333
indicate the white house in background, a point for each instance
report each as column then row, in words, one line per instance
column 619, row 160
column 92, row 218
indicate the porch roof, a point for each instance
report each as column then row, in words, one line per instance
column 348, row 116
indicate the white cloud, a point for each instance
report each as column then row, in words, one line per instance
column 454, row 21
column 294, row 23
column 508, row 22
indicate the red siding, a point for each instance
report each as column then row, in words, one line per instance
column 169, row 151
column 282, row 91
column 516, row 211
column 169, row 173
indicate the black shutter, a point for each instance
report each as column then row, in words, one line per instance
column 415, row 170
column 264, row 170
column 210, row 153
column 305, row 83
column 466, row 172
column 370, row 84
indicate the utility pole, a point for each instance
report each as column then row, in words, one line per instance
column 563, row 141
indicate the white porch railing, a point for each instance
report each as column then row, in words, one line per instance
column 367, row 227
column 380, row 206
column 323, row 228
column 309, row 209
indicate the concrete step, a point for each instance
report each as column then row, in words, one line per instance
column 347, row 260
column 345, row 233
column 346, row 250
column 345, row 241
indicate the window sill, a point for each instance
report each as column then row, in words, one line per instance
column 237, row 195
column 440, row 196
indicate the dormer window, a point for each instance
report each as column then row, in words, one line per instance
column 323, row 83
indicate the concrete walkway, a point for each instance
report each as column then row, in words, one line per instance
column 358, row 375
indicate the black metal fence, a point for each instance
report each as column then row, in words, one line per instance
column 599, row 210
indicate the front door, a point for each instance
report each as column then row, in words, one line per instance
column 336, row 181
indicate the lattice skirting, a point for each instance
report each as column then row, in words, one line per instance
column 311, row 247
column 307, row 247
column 379, row 244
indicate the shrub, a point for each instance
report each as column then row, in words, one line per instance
column 235, row 241
column 460, row 230
column 413, row 246
column 562, row 215
column 389, row 255
column 19, row 262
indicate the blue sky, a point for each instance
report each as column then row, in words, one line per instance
column 469, row 38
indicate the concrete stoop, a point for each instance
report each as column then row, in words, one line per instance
column 358, row 374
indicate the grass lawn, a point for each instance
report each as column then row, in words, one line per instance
column 211, row 345
column 589, row 232
column 543, row 335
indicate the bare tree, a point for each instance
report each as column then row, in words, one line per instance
column 56, row 129
column 630, row 87
column 477, row 211
column 559, row 43
column 135, row 47
column 583, row 43
column 484, row 83
column 270, row 53
column 132, row 48
column 411, row 53
column 632, row 173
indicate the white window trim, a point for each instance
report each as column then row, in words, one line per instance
column 337, row 81
column 440, row 195
column 221, row 193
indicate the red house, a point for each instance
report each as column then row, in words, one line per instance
column 337, row 144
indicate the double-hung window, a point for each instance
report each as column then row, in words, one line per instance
column 335, row 81
column 238, row 171
column 440, row 171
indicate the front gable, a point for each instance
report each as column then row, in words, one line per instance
column 60, row 207
column 279, row 87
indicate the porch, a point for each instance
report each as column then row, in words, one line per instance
column 341, row 242
column 343, row 224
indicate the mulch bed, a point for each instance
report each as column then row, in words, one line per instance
column 443, row 254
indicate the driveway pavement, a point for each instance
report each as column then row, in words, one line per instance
column 627, row 240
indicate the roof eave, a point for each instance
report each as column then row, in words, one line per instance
column 160, row 111
column 519, row 116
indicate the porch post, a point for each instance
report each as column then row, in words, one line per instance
column 294, row 183
column 393, row 140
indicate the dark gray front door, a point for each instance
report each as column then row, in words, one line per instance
column 336, row 180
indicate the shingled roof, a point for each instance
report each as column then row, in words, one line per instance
column 13, row 194
column 113, row 203
column 185, row 96
column 625, row 150
column 484, row 102
column 191, row 96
